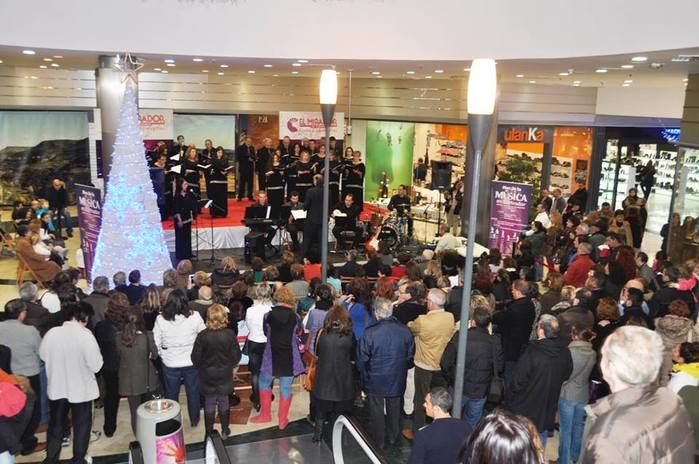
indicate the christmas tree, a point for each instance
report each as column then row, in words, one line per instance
column 131, row 236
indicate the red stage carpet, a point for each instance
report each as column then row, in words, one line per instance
column 236, row 212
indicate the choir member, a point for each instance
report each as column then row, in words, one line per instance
column 294, row 226
column 190, row 171
column 218, row 183
column 264, row 158
column 184, row 208
column 304, row 171
column 290, row 165
column 285, row 147
column 312, row 148
column 275, row 183
column 205, row 157
column 179, row 148
column 245, row 155
column 354, row 175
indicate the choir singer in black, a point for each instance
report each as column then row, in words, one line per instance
column 245, row 155
column 184, row 209
column 218, row 183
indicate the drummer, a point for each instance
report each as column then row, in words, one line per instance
column 346, row 215
column 400, row 202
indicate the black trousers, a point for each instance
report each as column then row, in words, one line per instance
column 244, row 183
column 311, row 238
column 29, row 441
column 384, row 428
column 261, row 180
column 81, row 417
column 294, row 229
column 423, row 381
column 110, row 401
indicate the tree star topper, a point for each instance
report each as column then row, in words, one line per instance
column 129, row 66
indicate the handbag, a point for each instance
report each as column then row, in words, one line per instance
column 311, row 361
column 496, row 390
column 153, row 392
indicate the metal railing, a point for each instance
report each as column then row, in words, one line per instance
column 359, row 436
column 215, row 451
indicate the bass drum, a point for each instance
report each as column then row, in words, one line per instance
column 389, row 233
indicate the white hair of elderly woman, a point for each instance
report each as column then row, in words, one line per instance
column 383, row 308
column 623, row 349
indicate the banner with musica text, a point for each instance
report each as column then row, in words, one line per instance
column 509, row 213
column 89, row 200
column 298, row 125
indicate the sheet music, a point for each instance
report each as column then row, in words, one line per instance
column 338, row 213
column 269, row 211
column 201, row 166
column 299, row 214
column 229, row 168
column 176, row 169
column 176, row 157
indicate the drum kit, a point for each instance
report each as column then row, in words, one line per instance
column 392, row 229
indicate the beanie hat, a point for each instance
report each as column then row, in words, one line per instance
column 12, row 399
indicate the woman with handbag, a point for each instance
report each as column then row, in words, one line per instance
column 255, row 344
column 313, row 322
column 138, row 378
column 282, row 356
column 333, row 388
column 215, row 355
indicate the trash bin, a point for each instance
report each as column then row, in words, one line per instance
column 160, row 433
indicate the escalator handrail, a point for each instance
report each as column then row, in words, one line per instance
column 214, row 445
column 360, row 437
column 135, row 453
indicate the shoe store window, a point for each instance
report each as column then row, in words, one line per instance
column 681, row 233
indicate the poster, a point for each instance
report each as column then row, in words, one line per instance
column 198, row 127
column 89, row 202
column 170, row 449
column 39, row 146
column 156, row 124
column 572, row 149
column 509, row 213
column 298, row 125
column 389, row 152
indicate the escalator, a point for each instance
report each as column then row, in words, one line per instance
column 344, row 443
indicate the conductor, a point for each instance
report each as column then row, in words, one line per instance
column 314, row 216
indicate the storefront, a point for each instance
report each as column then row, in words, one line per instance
column 683, row 229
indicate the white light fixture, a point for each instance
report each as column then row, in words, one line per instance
column 0, row 61
column 625, row 85
column 268, row 66
column 519, row 75
column 577, row 82
column 197, row 60
column 55, row 65
column 626, row 66
column 157, row 69
column 294, row 72
column 482, row 85
column 686, row 79
column 169, row 60
column 532, row 82
column 302, row 61
column 410, row 72
column 48, row 59
column 33, row 77
column 628, row 81
column 639, row 59
column 428, row 77
column 224, row 66
column 467, row 69
column 251, row 71
column 275, row 75
column 375, row 73
column 164, row 71
column 439, row 71
column 58, row 56
column 296, row 65
column 564, row 74
column 205, row 70
column 328, row 87
column 379, row 77
column 29, row 52
column 601, row 70
column 171, row 65
column 220, row 73
column 43, row 66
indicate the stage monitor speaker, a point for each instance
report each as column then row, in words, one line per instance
column 441, row 175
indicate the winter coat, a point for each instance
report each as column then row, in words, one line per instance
column 43, row 269
column 577, row 387
column 673, row 330
column 215, row 354
column 106, row 335
column 175, row 339
column 578, row 316
column 483, row 358
column 282, row 355
column 515, row 323
column 537, row 380
column 334, row 368
column 386, row 352
column 576, row 274
column 137, row 375
column 640, row 425
column 548, row 300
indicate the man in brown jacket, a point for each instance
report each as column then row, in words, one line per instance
column 432, row 333
column 639, row 422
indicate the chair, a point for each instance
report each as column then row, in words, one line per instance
column 346, row 240
column 23, row 267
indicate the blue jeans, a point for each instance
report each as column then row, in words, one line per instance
column 44, row 396
column 65, row 220
column 472, row 410
column 572, row 420
column 173, row 377
column 543, row 437
column 266, row 381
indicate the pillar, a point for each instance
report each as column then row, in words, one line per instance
column 109, row 83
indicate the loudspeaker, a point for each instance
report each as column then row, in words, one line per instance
column 441, row 175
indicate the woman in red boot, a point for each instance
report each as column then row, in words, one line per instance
column 282, row 357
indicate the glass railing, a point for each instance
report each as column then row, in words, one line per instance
column 358, row 444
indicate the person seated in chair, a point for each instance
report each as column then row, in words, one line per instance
column 43, row 269
column 266, row 228
column 346, row 214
